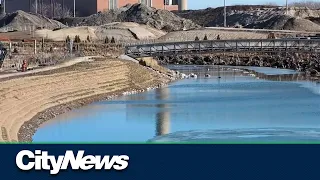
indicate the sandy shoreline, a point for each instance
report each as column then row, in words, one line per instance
column 26, row 102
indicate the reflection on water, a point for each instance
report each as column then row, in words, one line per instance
column 163, row 116
column 239, row 99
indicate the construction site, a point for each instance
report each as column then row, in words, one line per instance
column 80, row 8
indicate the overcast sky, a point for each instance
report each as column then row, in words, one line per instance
column 202, row 4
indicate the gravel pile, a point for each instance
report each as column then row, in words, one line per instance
column 22, row 21
column 259, row 17
column 138, row 13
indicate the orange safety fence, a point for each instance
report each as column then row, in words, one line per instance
column 4, row 38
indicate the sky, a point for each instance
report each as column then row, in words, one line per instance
column 202, row 4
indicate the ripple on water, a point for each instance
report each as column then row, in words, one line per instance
column 244, row 135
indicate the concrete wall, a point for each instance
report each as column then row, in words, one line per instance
column 159, row 4
column 172, row 7
column 102, row 5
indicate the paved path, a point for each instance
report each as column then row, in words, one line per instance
column 65, row 64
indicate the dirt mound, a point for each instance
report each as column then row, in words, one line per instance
column 124, row 32
column 138, row 13
column 215, row 16
column 260, row 17
column 315, row 20
column 61, row 35
column 298, row 24
column 284, row 22
column 22, row 21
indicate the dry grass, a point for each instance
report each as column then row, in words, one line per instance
column 211, row 34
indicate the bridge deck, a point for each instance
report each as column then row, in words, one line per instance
column 224, row 46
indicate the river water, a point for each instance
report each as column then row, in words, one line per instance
column 255, row 105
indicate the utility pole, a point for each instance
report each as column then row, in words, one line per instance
column 225, row 14
column 30, row 6
column 74, row 8
column 287, row 7
column 4, row 6
column 52, row 10
column 62, row 9
column 41, row 7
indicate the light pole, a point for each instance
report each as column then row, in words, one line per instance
column 225, row 14
column 36, row 6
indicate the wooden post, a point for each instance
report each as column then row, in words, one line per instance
column 71, row 45
column 33, row 29
column 237, row 46
column 42, row 45
column 10, row 48
column 35, row 46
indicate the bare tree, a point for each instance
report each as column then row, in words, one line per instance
column 309, row 4
column 54, row 10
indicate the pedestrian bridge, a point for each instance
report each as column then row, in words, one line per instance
column 224, row 46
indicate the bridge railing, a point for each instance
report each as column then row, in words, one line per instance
column 220, row 46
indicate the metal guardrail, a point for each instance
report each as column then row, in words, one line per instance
column 223, row 46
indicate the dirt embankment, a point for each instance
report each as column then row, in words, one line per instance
column 44, row 95
column 309, row 63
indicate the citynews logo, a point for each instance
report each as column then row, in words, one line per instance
column 40, row 160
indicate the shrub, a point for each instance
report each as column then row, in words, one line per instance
column 15, row 50
column 77, row 39
column 113, row 40
column 205, row 38
column 106, row 40
column 68, row 39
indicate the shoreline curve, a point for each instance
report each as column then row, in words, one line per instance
column 28, row 101
column 28, row 129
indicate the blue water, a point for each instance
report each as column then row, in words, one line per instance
column 237, row 102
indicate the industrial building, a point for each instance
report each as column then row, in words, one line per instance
column 88, row 7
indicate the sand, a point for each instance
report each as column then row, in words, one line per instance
column 61, row 35
column 39, row 97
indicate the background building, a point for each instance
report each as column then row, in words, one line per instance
column 88, row 7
